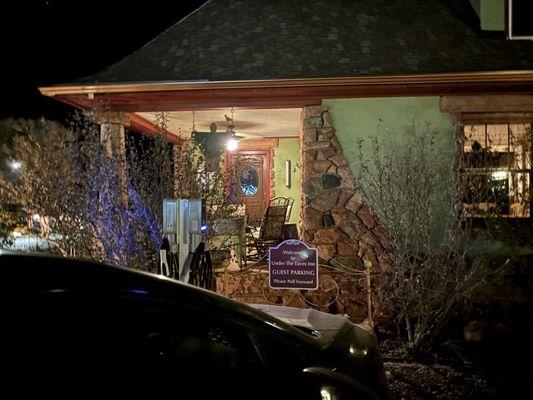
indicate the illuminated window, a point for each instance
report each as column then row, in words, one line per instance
column 496, row 169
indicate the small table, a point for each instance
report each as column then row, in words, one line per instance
column 229, row 234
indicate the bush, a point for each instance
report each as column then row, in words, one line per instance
column 412, row 190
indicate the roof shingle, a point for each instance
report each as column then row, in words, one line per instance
column 280, row 39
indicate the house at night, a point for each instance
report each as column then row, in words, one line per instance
column 306, row 79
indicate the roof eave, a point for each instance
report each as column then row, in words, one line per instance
column 525, row 76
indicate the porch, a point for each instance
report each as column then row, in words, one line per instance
column 289, row 153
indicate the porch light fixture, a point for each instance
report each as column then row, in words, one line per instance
column 212, row 145
column 232, row 144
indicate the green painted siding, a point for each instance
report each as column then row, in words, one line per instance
column 492, row 15
column 364, row 118
column 378, row 117
column 289, row 149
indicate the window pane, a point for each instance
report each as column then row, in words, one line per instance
column 498, row 137
column 520, row 144
column 475, row 146
column 249, row 180
column 487, row 192
column 520, row 195
column 474, row 133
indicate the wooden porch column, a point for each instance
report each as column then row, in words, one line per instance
column 112, row 133
column 113, row 137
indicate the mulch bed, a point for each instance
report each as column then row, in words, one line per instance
column 419, row 381
column 408, row 379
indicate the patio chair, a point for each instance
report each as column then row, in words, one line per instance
column 283, row 201
column 270, row 230
column 290, row 202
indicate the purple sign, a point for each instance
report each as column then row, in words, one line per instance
column 293, row 265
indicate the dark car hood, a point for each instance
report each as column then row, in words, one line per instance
column 304, row 317
column 327, row 325
column 352, row 348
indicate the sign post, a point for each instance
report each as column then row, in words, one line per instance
column 293, row 265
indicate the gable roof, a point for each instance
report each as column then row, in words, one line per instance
column 235, row 40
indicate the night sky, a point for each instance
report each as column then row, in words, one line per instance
column 55, row 41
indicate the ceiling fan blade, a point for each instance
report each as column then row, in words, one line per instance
column 248, row 135
column 239, row 124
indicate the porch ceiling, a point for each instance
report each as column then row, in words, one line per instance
column 249, row 123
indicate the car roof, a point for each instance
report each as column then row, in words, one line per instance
column 27, row 272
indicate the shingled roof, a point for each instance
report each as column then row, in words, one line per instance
column 280, row 39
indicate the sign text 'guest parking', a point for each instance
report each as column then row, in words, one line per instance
column 293, row 265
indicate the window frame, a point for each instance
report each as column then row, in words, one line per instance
column 509, row 23
column 491, row 119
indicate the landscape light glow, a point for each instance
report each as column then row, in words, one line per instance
column 324, row 394
column 15, row 165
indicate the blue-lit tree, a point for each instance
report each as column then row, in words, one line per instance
column 88, row 206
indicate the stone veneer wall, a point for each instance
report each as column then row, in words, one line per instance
column 334, row 215
column 252, row 287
